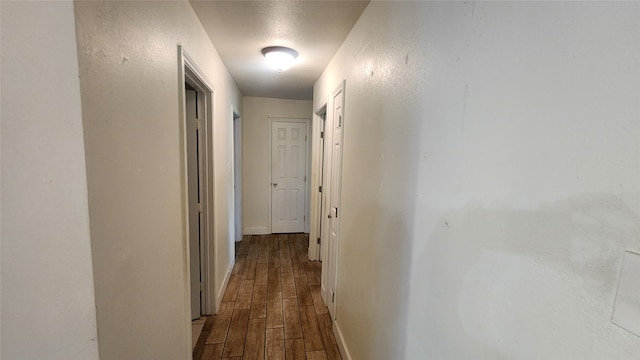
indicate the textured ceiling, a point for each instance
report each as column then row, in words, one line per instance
column 240, row 29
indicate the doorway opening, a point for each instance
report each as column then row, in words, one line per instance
column 318, row 202
column 196, row 126
column 194, row 104
column 237, row 176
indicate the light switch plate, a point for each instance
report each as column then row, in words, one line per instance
column 626, row 308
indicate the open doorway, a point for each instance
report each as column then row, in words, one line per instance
column 237, row 176
column 194, row 104
column 196, row 100
column 318, row 201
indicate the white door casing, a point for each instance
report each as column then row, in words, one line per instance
column 316, row 217
column 190, row 74
column 288, row 176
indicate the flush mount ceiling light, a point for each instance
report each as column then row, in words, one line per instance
column 279, row 58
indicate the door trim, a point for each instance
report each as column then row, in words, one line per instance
column 271, row 120
column 189, row 72
column 326, row 254
column 316, row 198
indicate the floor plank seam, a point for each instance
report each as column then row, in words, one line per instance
column 276, row 309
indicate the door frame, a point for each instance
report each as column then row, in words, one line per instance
column 236, row 126
column 189, row 72
column 271, row 120
column 317, row 197
column 195, row 176
column 328, row 174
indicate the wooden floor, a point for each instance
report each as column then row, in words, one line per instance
column 272, row 308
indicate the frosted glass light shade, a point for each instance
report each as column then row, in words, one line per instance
column 280, row 58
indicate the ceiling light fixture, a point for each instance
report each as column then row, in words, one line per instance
column 280, row 58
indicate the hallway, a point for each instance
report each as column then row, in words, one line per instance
column 272, row 306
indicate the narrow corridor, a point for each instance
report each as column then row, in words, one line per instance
column 272, row 308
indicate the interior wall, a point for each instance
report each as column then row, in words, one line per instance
column 379, row 173
column 256, row 166
column 490, row 180
column 128, row 58
column 48, row 306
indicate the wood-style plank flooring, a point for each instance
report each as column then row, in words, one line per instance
column 272, row 308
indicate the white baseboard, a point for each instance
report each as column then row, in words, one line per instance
column 225, row 282
column 340, row 340
column 256, row 230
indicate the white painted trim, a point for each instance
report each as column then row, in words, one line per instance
column 184, row 204
column 256, row 230
column 342, row 345
column 196, row 77
column 307, row 121
column 315, row 198
column 322, row 107
column 327, row 181
column 198, row 80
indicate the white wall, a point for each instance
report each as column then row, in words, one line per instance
column 47, row 280
column 490, row 181
column 256, row 165
column 128, row 61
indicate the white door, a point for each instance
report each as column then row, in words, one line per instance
column 194, row 186
column 335, row 176
column 288, row 176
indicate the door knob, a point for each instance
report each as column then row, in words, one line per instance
column 329, row 216
column 274, row 184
